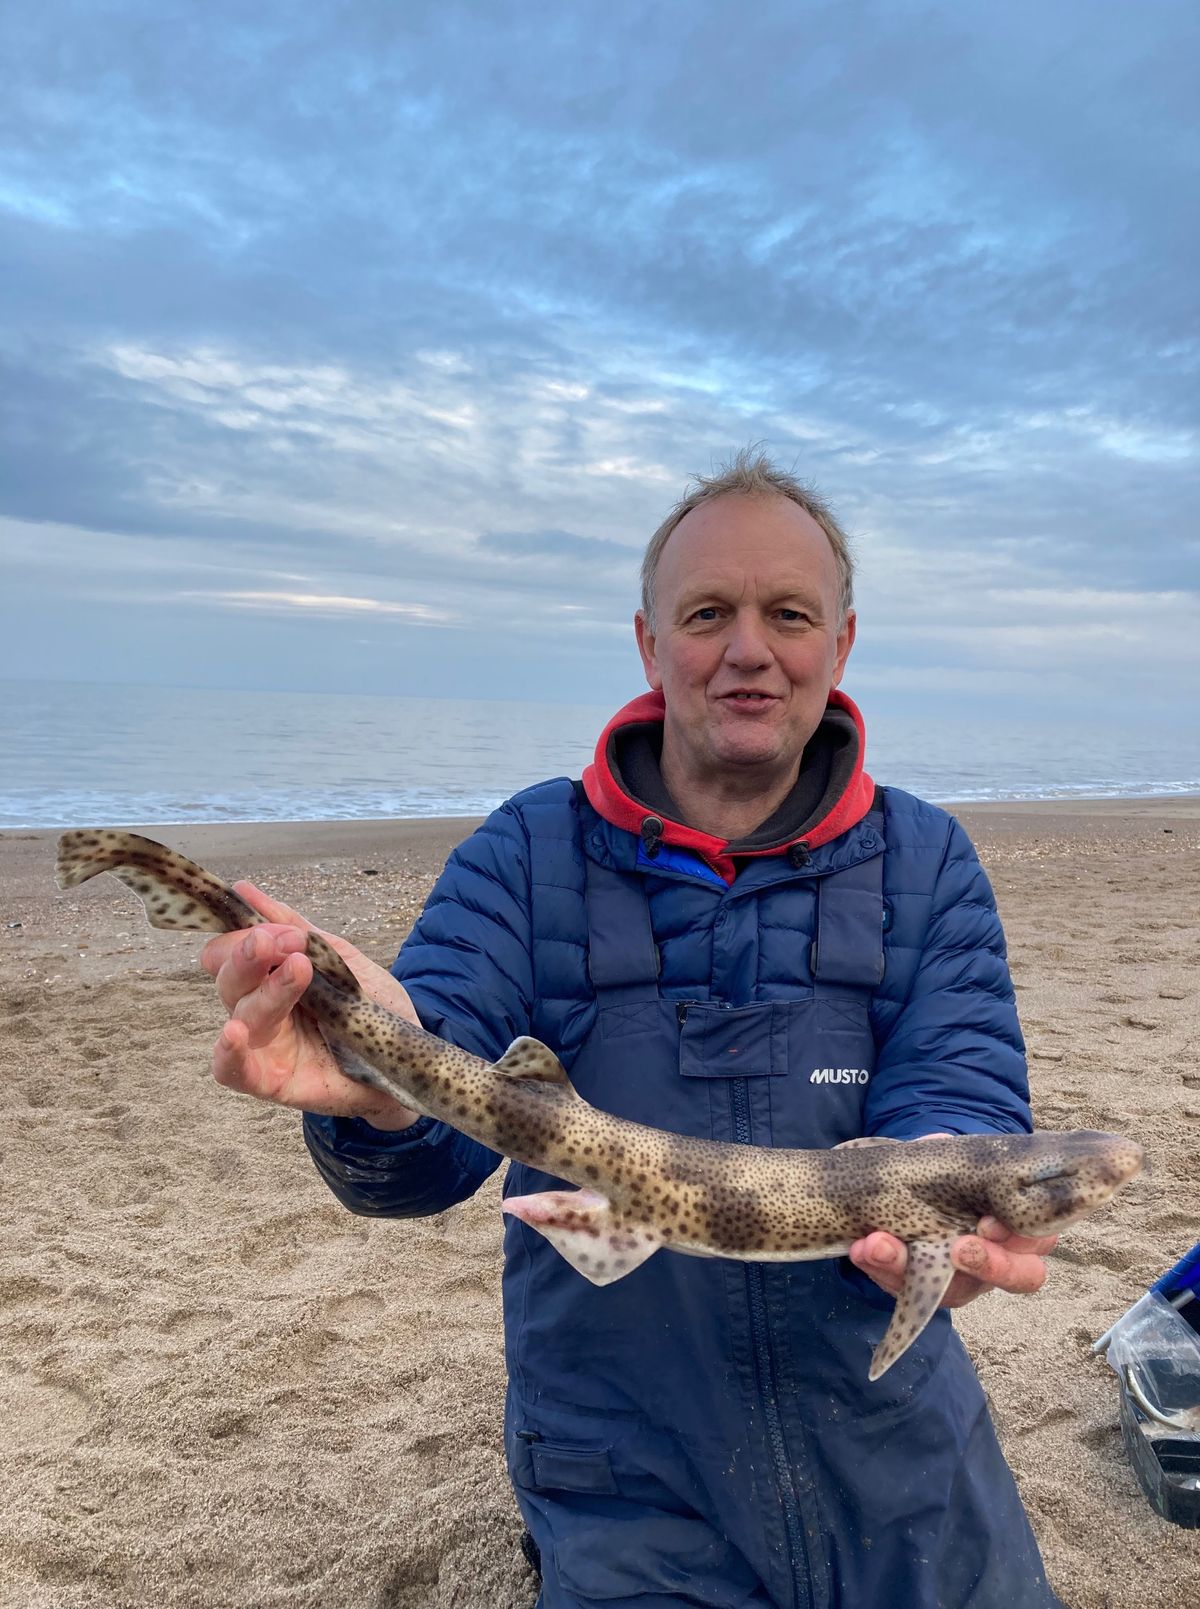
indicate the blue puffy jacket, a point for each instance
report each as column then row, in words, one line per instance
column 714, row 1416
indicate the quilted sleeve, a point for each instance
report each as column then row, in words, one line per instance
column 467, row 964
column 953, row 1058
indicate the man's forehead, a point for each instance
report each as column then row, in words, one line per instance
column 738, row 574
column 737, row 534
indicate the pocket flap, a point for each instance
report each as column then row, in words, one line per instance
column 571, row 1469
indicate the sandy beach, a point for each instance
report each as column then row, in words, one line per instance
column 219, row 1389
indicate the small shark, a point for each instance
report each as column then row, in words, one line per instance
column 641, row 1188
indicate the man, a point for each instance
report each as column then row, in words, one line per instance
column 727, row 931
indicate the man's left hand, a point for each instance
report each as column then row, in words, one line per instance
column 993, row 1258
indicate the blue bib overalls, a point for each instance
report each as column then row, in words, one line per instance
column 703, row 1432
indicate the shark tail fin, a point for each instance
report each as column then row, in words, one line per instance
column 580, row 1225
column 178, row 895
column 929, row 1272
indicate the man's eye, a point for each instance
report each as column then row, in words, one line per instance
column 707, row 613
column 792, row 615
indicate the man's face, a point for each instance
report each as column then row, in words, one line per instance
column 748, row 644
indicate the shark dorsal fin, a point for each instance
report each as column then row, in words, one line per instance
column 529, row 1058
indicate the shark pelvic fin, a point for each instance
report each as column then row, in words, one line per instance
column 579, row 1225
column 529, row 1058
column 929, row 1272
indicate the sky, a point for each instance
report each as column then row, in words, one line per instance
column 362, row 346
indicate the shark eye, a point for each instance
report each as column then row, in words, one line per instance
column 1044, row 1172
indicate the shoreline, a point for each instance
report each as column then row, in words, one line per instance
column 1184, row 805
column 1187, row 804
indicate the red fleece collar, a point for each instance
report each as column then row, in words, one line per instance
column 610, row 800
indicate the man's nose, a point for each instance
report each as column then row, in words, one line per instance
column 748, row 646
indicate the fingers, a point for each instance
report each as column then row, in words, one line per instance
column 229, row 1055
column 265, row 1009
column 257, row 1021
column 231, row 946
column 992, row 1229
column 1000, row 1266
column 247, row 959
column 883, row 1257
column 992, row 1259
column 217, row 951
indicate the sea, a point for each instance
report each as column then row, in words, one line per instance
column 74, row 754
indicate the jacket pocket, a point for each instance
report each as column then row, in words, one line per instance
column 732, row 1041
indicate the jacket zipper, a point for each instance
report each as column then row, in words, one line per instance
column 764, row 1368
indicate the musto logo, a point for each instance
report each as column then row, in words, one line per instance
column 839, row 1075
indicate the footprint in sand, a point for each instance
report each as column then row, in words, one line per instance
column 437, row 1456
column 353, row 1310
column 1116, row 1259
column 284, row 1244
column 1052, row 1416
column 232, row 1424
column 1099, row 1437
column 1168, row 1222
column 38, row 1414
column 190, row 1324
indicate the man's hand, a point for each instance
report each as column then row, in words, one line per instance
column 993, row 1258
column 268, row 1051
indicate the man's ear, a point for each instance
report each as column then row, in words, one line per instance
column 646, row 641
column 845, row 642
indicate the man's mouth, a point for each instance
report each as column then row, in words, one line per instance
column 748, row 698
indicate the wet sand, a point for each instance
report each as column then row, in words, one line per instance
column 219, row 1389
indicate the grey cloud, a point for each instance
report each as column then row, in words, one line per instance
column 937, row 256
column 558, row 545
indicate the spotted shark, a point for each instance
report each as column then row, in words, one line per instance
column 641, row 1189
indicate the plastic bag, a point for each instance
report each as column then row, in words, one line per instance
column 1156, row 1354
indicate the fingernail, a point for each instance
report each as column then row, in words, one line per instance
column 884, row 1257
column 971, row 1255
column 248, row 947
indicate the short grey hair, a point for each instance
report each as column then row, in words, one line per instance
column 752, row 474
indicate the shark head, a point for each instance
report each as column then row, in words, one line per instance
column 1059, row 1179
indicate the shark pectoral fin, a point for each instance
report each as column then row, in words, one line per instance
column 929, row 1272
column 351, row 1065
column 579, row 1225
column 529, row 1058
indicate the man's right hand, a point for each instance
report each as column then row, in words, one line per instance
column 269, row 1050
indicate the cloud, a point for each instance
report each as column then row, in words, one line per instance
column 315, row 603
column 429, row 312
column 564, row 546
